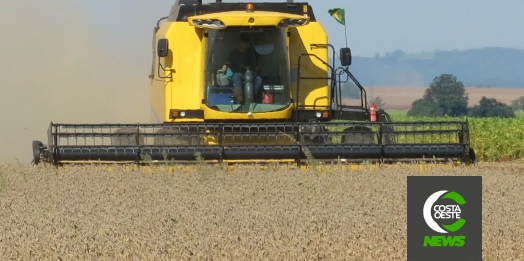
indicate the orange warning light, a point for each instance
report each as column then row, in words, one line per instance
column 249, row 8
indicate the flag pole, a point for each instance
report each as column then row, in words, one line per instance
column 346, row 34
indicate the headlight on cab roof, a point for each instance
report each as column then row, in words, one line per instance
column 208, row 23
column 292, row 22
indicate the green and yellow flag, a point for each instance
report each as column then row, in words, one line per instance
column 338, row 14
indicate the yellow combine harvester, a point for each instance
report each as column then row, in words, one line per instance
column 251, row 82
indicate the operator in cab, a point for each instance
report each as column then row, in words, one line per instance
column 240, row 59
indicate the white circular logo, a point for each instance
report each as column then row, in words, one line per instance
column 443, row 212
column 427, row 211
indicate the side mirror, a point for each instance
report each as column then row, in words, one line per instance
column 163, row 47
column 345, row 56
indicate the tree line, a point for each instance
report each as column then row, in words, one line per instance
column 447, row 96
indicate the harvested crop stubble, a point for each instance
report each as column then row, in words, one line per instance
column 245, row 214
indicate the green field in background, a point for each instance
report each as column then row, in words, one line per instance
column 492, row 138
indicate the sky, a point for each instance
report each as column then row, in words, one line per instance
column 372, row 26
column 74, row 61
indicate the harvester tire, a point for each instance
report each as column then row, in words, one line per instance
column 37, row 145
column 127, row 140
column 355, row 135
column 388, row 138
column 175, row 140
column 313, row 139
column 472, row 156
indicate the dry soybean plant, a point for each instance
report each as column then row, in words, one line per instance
column 244, row 213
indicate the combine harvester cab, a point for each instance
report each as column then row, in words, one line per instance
column 291, row 105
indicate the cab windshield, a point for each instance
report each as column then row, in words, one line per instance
column 247, row 70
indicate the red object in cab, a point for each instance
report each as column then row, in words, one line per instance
column 267, row 98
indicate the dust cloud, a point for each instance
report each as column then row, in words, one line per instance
column 57, row 65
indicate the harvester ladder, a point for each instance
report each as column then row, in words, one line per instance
column 335, row 95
